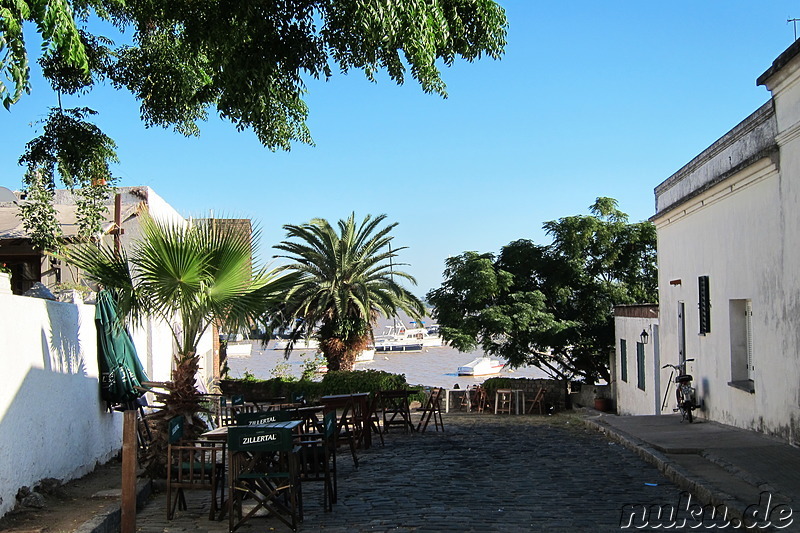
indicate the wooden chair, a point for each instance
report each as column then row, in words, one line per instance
column 536, row 400
column 261, row 417
column 346, row 426
column 432, row 409
column 375, row 416
column 264, row 468
column 396, row 411
column 479, row 399
column 318, row 459
column 193, row 465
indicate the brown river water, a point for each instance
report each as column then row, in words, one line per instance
column 435, row 367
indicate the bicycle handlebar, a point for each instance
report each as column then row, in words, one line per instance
column 678, row 367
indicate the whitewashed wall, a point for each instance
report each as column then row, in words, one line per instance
column 630, row 399
column 53, row 422
column 741, row 233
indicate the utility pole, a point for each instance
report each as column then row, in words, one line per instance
column 794, row 23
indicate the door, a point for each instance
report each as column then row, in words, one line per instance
column 681, row 333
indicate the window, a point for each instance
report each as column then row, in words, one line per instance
column 640, row 365
column 741, row 325
column 704, row 305
column 623, row 360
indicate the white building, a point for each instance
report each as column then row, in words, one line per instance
column 154, row 342
column 729, row 264
column 636, row 363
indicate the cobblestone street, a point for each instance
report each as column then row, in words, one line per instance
column 484, row 473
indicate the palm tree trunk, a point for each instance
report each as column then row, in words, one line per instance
column 183, row 399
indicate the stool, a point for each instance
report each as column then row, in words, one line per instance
column 502, row 401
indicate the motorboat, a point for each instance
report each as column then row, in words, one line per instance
column 397, row 337
column 366, row 355
column 481, row 366
column 299, row 344
column 239, row 348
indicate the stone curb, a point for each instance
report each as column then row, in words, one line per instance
column 109, row 521
column 674, row 472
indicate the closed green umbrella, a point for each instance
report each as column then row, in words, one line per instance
column 120, row 369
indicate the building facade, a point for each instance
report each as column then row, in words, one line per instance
column 728, row 227
column 636, row 363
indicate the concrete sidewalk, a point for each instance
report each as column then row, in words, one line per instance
column 720, row 464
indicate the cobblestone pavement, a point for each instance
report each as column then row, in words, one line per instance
column 485, row 473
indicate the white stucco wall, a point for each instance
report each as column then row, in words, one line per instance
column 53, row 422
column 735, row 233
column 630, row 399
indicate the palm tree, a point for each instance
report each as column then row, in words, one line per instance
column 189, row 275
column 346, row 281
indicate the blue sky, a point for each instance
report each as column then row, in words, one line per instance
column 591, row 99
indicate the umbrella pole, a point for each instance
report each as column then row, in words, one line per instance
column 128, row 523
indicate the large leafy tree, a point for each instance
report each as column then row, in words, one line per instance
column 347, row 280
column 189, row 275
column 551, row 306
column 246, row 61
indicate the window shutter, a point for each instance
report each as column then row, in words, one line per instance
column 623, row 360
column 748, row 321
column 704, row 305
column 640, row 365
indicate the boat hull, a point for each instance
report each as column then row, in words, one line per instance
column 483, row 366
column 384, row 348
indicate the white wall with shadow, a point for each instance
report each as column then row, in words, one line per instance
column 53, row 422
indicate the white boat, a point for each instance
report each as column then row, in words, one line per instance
column 399, row 338
column 299, row 344
column 481, row 366
column 366, row 355
column 239, row 348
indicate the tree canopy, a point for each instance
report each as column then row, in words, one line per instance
column 551, row 305
column 347, row 278
column 247, row 61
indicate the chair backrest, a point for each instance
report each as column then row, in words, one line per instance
column 329, row 423
column 261, row 417
column 175, row 428
column 259, row 439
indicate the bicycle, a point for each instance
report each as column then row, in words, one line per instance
column 684, row 392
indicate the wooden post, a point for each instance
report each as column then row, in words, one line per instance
column 128, row 524
column 117, row 223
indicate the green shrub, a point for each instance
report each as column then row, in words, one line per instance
column 492, row 384
column 342, row 382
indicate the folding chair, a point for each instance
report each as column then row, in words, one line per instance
column 257, row 418
column 193, row 465
column 537, row 400
column 375, row 416
column 263, row 462
column 318, row 459
column 433, row 408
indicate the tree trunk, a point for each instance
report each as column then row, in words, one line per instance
column 341, row 353
column 182, row 399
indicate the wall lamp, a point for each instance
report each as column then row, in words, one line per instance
column 644, row 337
